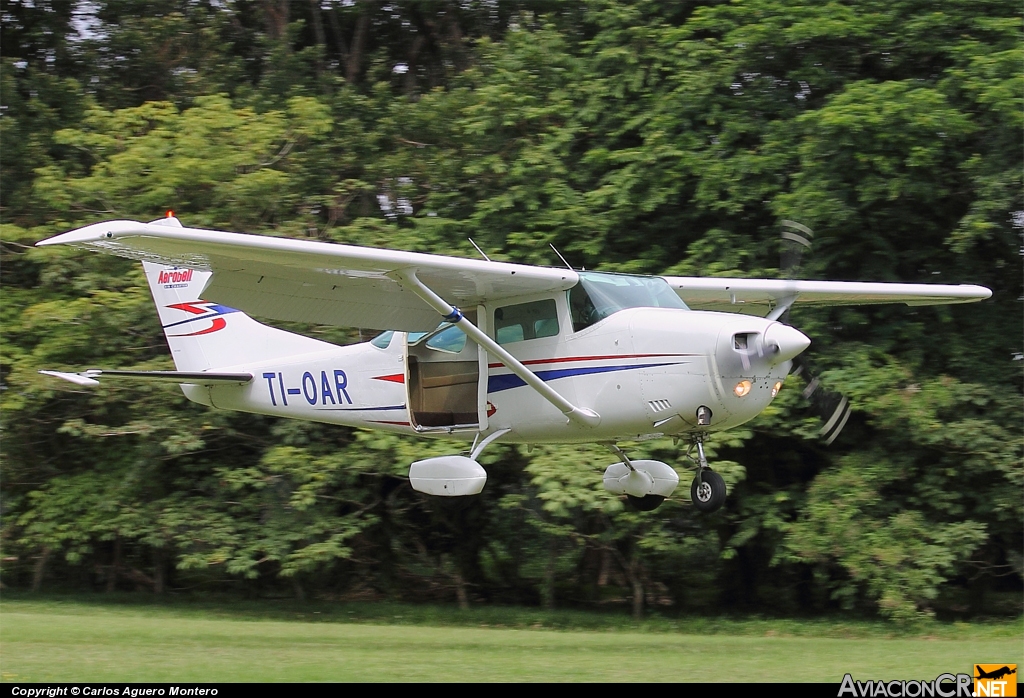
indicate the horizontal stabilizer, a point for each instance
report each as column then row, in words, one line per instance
column 181, row 377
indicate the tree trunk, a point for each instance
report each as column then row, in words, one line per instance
column 300, row 593
column 606, row 562
column 115, row 568
column 355, row 57
column 158, row 570
column 318, row 32
column 338, row 38
column 414, row 54
column 276, row 14
column 39, row 569
column 633, row 570
column 549, row 575
column 460, row 591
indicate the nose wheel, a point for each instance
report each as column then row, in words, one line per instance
column 707, row 492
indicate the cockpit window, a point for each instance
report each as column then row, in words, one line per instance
column 597, row 296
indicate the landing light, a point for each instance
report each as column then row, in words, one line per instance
column 742, row 388
column 776, row 388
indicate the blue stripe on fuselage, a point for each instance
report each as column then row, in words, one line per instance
column 496, row 384
column 363, row 409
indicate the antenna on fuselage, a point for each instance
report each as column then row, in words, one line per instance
column 561, row 257
column 482, row 253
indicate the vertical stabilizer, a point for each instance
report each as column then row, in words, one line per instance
column 207, row 336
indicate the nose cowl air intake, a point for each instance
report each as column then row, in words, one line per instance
column 782, row 342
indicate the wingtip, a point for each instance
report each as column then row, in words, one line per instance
column 971, row 293
column 93, row 233
column 76, row 378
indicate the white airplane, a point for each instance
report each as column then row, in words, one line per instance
column 522, row 354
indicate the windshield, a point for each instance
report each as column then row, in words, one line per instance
column 597, row 296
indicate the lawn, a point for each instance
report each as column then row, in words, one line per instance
column 99, row 640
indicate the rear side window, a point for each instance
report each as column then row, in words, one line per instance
column 382, row 340
column 451, row 340
column 515, row 323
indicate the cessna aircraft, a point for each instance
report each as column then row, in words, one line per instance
column 476, row 350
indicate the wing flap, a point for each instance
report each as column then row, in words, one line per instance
column 369, row 303
column 760, row 296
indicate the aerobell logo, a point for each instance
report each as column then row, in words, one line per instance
column 176, row 276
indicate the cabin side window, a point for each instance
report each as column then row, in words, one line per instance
column 516, row 323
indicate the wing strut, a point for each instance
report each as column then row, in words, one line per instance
column 782, row 305
column 452, row 314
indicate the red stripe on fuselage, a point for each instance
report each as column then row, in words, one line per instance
column 393, row 378
column 533, row 362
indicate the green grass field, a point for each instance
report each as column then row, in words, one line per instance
column 100, row 640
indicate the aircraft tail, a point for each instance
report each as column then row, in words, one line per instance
column 206, row 336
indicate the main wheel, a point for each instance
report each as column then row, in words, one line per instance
column 649, row 502
column 708, row 491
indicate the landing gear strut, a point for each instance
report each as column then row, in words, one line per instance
column 708, row 489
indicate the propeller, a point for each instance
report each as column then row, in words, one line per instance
column 833, row 408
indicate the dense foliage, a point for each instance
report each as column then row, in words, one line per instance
column 655, row 137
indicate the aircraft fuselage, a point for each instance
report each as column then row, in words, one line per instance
column 645, row 371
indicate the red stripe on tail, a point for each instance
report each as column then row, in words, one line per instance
column 219, row 323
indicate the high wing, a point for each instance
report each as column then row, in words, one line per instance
column 316, row 282
column 763, row 296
